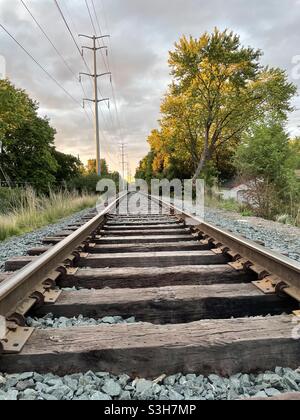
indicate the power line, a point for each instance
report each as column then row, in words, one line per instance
column 77, row 47
column 99, row 28
column 72, row 36
column 101, row 50
column 112, row 84
column 47, row 37
column 68, row 26
column 55, row 49
column 40, row 66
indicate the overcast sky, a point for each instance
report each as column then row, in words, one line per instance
column 142, row 32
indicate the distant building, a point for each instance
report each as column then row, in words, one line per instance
column 236, row 193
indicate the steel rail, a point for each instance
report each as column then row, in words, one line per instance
column 276, row 264
column 16, row 288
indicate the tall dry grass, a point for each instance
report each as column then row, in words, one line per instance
column 33, row 211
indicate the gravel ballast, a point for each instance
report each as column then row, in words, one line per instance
column 284, row 239
column 49, row 321
column 106, row 387
column 19, row 245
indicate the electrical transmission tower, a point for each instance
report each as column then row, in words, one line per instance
column 123, row 159
column 96, row 99
column 123, row 162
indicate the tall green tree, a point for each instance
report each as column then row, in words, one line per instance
column 68, row 167
column 266, row 163
column 27, row 139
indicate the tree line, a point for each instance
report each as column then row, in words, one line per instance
column 224, row 115
column 28, row 153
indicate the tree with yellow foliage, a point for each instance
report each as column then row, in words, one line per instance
column 219, row 90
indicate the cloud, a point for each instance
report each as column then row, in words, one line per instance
column 142, row 33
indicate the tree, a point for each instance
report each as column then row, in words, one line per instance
column 295, row 150
column 92, row 167
column 69, row 167
column 219, row 90
column 265, row 162
column 27, row 139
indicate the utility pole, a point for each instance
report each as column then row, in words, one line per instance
column 129, row 173
column 123, row 160
column 96, row 100
column 123, row 163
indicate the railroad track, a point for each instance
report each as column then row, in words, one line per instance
column 200, row 297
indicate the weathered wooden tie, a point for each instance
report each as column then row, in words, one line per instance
column 152, row 259
column 133, row 277
column 170, row 305
column 222, row 347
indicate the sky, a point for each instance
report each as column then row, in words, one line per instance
column 142, row 33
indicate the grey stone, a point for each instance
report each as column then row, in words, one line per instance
column 54, row 382
column 91, row 375
column 108, row 320
column 200, row 379
column 49, row 397
column 209, row 396
column 261, row 394
column 125, row 396
column 25, row 376
column 170, row 380
column 131, row 320
column 84, row 381
column 21, row 386
column 245, row 381
column 99, row 396
column 272, row 392
column 156, row 389
column 214, row 378
column 118, row 319
column 142, row 385
column 84, row 397
column 61, row 392
column 191, row 377
column 188, row 393
column 175, row 396
column 290, row 383
column 112, row 388
column 42, row 388
column 79, row 391
column 12, row 395
column 294, row 376
column 164, row 396
column 232, row 395
column 11, row 382
column 2, row 380
column 272, row 379
column 234, row 383
column 123, row 380
column 30, row 395
column 89, row 389
column 38, row 378
column 71, row 383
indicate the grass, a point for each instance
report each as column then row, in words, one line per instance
column 228, row 205
column 33, row 212
column 215, row 201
